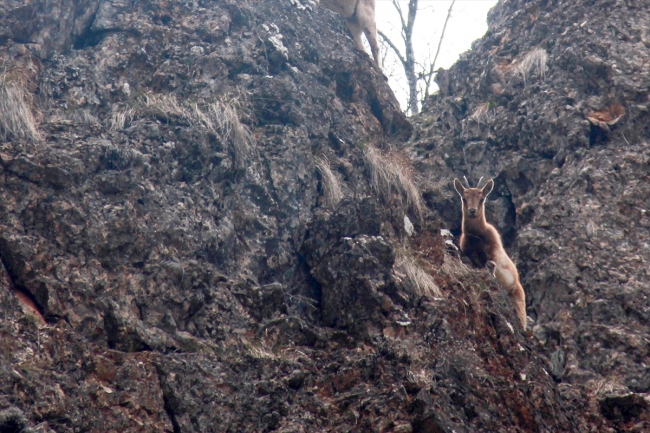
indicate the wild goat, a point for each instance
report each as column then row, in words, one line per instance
column 481, row 242
column 360, row 17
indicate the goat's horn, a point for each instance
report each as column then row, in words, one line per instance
column 478, row 185
column 466, row 181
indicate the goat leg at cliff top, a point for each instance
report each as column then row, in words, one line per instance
column 360, row 17
column 481, row 241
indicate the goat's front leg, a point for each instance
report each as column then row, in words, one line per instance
column 356, row 30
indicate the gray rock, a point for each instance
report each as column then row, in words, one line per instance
column 174, row 237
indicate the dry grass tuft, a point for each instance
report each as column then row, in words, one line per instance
column 420, row 282
column 119, row 119
column 163, row 105
column 222, row 119
column 420, row 377
column 482, row 111
column 84, row 117
column 534, row 61
column 390, row 175
column 217, row 117
column 261, row 351
column 332, row 191
column 16, row 117
column 120, row 158
column 149, row 104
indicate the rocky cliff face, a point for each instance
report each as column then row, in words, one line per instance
column 210, row 222
column 553, row 103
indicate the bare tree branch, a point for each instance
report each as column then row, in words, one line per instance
column 399, row 11
column 408, row 58
column 392, row 46
column 416, row 73
column 432, row 67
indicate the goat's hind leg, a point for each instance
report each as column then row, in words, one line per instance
column 365, row 23
column 371, row 34
column 518, row 298
column 507, row 278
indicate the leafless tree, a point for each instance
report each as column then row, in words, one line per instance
column 419, row 75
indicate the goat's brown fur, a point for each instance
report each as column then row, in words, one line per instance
column 360, row 17
column 481, row 242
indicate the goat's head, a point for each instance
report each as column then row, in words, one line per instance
column 473, row 198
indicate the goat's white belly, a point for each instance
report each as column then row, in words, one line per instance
column 343, row 7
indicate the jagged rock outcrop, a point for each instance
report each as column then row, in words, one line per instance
column 210, row 206
column 553, row 102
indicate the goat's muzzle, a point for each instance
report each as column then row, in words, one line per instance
column 472, row 213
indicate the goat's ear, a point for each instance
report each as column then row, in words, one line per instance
column 460, row 189
column 487, row 189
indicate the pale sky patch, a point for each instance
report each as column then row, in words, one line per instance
column 467, row 23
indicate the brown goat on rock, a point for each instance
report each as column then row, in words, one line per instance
column 360, row 17
column 480, row 241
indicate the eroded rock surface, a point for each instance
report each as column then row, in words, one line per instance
column 195, row 235
column 553, row 103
